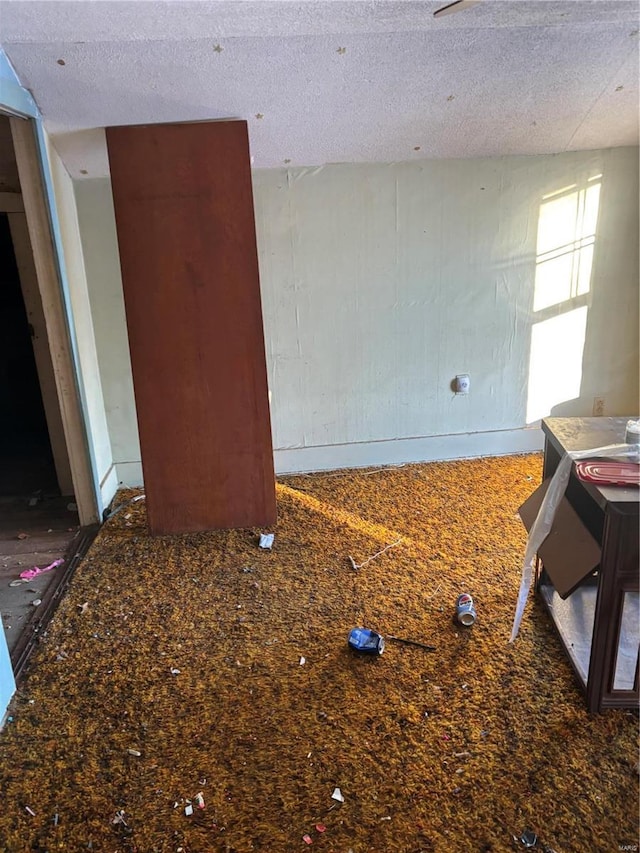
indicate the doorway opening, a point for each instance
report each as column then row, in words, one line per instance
column 26, row 459
column 39, row 522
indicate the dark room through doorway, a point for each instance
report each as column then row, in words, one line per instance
column 26, row 460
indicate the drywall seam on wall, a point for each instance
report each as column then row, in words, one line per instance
column 401, row 451
column 392, row 452
column 382, row 282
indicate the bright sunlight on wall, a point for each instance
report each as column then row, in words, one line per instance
column 564, row 258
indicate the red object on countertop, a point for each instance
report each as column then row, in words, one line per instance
column 609, row 473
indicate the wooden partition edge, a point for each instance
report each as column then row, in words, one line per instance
column 64, row 367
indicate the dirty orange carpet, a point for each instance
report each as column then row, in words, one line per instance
column 174, row 668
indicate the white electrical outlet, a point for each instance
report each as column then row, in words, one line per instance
column 598, row 407
column 461, row 383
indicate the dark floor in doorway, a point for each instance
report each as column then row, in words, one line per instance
column 26, row 470
column 31, row 535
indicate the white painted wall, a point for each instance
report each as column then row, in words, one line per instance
column 381, row 282
column 98, row 428
column 102, row 264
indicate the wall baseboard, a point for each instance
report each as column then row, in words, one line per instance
column 129, row 475
column 433, row 448
column 109, row 486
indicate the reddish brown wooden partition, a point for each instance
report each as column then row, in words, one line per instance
column 184, row 214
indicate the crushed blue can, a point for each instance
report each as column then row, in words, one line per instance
column 366, row 640
column 465, row 610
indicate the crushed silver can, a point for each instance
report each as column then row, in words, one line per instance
column 465, row 610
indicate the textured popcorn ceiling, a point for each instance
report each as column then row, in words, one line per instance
column 323, row 82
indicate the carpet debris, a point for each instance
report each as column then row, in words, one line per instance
column 266, row 541
column 357, row 566
column 275, row 740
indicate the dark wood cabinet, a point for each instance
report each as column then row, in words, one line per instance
column 599, row 621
